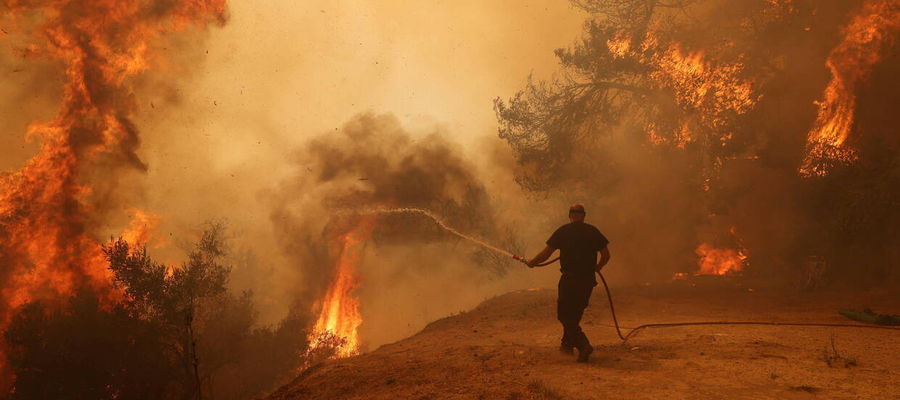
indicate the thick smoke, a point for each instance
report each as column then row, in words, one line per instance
column 372, row 162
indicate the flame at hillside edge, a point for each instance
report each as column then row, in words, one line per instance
column 340, row 317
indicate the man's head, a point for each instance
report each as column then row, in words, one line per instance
column 576, row 213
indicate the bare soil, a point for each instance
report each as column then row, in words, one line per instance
column 507, row 348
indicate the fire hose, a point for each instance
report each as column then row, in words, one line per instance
column 634, row 331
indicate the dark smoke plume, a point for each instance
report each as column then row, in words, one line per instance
column 373, row 162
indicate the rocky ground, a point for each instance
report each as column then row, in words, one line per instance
column 507, row 348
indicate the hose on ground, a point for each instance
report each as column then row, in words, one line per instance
column 634, row 331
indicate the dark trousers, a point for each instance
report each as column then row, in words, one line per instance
column 574, row 295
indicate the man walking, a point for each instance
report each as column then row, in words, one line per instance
column 578, row 244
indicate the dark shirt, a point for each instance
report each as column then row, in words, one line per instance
column 578, row 244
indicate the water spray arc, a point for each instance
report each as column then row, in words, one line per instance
column 441, row 223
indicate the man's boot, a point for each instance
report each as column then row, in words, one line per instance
column 566, row 348
column 584, row 353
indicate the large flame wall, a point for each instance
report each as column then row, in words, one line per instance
column 48, row 209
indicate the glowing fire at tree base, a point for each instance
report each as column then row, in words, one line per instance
column 715, row 261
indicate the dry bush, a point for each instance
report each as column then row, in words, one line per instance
column 541, row 391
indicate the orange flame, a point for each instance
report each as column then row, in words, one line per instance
column 715, row 261
column 850, row 62
column 47, row 209
column 619, row 45
column 712, row 90
column 141, row 228
column 340, row 309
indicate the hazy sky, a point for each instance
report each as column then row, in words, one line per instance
column 296, row 70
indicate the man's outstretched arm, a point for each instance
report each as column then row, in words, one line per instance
column 604, row 258
column 541, row 257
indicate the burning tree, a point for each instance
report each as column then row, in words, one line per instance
column 51, row 207
column 873, row 27
column 708, row 105
column 632, row 70
column 178, row 333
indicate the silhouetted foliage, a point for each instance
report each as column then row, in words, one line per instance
column 173, row 298
column 629, row 13
column 177, row 334
column 83, row 351
column 624, row 76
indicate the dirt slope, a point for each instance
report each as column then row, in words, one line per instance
column 506, row 348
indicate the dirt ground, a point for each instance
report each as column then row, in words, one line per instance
column 507, row 348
